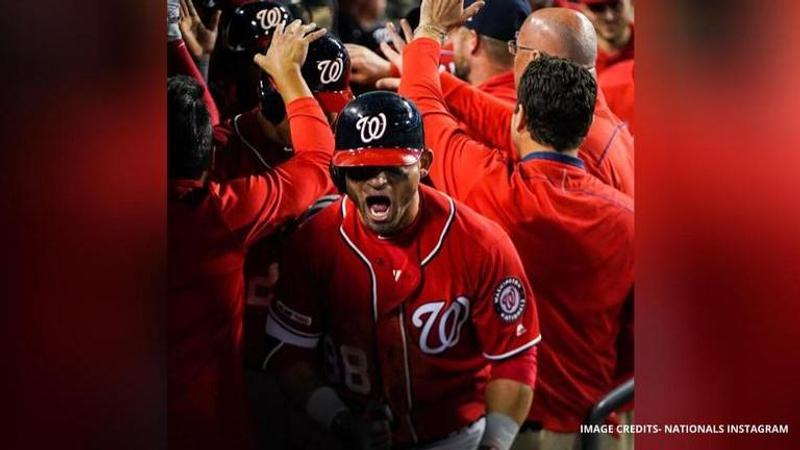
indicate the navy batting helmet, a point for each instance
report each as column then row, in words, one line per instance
column 378, row 128
column 252, row 24
column 327, row 73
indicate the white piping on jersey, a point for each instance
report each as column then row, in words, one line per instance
column 515, row 351
column 275, row 330
column 250, row 146
column 274, row 350
column 372, row 278
column 444, row 232
column 408, row 375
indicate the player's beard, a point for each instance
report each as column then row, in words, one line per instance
column 461, row 69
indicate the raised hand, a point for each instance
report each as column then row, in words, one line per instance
column 437, row 17
column 286, row 55
column 199, row 39
column 366, row 66
column 395, row 55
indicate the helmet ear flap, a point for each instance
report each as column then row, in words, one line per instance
column 337, row 175
column 272, row 106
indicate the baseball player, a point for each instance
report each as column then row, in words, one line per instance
column 246, row 29
column 607, row 151
column 574, row 233
column 422, row 306
column 210, row 225
column 261, row 139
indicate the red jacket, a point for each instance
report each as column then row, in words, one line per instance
column 242, row 149
column 209, row 228
column 416, row 321
column 501, row 86
column 573, row 233
column 617, row 84
column 607, row 150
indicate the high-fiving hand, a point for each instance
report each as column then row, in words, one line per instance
column 437, row 17
column 199, row 39
column 286, row 54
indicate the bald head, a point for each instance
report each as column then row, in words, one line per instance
column 560, row 32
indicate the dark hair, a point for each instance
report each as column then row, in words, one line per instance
column 558, row 98
column 188, row 129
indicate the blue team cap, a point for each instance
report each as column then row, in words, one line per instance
column 499, row 19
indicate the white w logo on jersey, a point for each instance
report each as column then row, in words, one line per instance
column 371, row 127
column 269, row 18
column 449, row 327
column 330, row 71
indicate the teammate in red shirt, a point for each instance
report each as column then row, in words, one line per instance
column 210, row 226
column 574, row 234
column 612, row 19
column 607, row 151
column 256, row 141
column 480, row 50
column 428, row 317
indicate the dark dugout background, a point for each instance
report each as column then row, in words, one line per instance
column 83, row 222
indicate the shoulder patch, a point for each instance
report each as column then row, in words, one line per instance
column 509, row 299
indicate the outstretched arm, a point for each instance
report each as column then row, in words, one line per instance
column 488, row 117
column 283, row 193
column 458, row 160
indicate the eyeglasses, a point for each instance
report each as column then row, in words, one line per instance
column 513, row 47
column 599, row 8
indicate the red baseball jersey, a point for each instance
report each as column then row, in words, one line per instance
column 241, row 148
column 607, row 150
column 573, row 233
column 501, row 86
column 413, row 322
column 210, row 226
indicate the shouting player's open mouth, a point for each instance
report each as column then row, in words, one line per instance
column 379, row 208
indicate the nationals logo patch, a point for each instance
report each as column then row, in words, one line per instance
column 509, row 299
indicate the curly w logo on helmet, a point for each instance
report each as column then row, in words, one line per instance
column 269, row 18
column 371, row 127
column 330, row 70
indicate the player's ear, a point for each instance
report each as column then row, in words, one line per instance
column 519, row 122
column 474, row 41
column 425, row 161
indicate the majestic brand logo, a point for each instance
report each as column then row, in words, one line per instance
column 269, row 18
column 371, row 127
column 444, row 325
column 509, row 299
column 330, row 70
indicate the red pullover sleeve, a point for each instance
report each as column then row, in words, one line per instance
column 488, row 117
column 180, row 62
column 255, row 206
column 458, row 160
